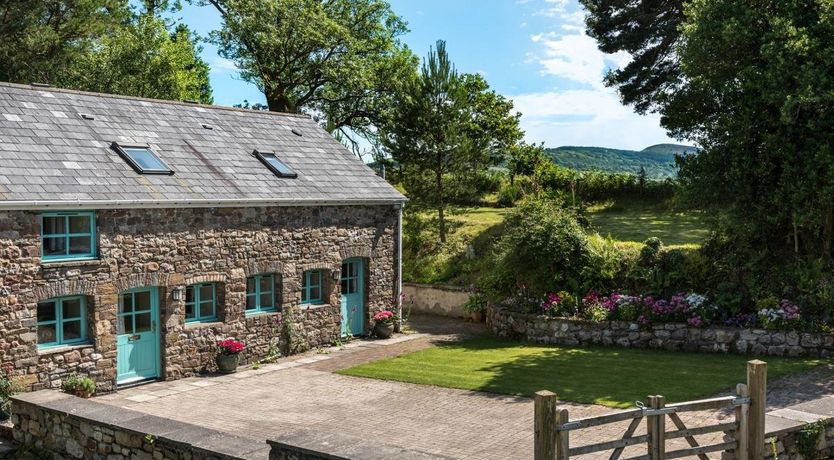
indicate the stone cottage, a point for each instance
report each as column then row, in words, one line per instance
column 135, row 233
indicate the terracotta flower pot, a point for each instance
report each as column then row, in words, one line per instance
column 227, row 364
column 383, row 331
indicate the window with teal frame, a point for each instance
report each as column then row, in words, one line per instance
column 201, row 303
column 260, row 294
column 62, row 321
column 68, row 235
column 311, row 284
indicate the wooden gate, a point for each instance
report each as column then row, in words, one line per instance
column 553, row 425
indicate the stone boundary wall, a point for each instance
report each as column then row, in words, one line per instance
column 434, row 299
column 786, row 448
column 71, row 427
column 306, row 444
column 668, row 336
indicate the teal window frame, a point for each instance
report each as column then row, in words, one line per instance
column 60, row 321
column 257, row 294
column 307, row 288
column 67, row 235
column 197, row 302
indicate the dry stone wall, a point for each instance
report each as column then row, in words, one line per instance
column 171, row 248
column 670, row 336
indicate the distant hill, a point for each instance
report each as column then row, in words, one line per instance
column 658, row 160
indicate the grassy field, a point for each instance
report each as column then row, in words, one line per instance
column 607, row 376
column 637, row 221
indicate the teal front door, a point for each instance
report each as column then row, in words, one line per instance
column 353, row 297
column 137, row 341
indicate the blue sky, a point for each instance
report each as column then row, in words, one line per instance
column 532, row 51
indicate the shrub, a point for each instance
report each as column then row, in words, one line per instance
column 82, row 386
column 8, row 388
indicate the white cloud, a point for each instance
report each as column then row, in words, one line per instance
column 576, row 57
column 553, row 8
column 586, row 117
column 222, row 65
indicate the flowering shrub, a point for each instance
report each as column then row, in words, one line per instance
column 558, row 304
column 230, row 347
column 385, row 317
column 778, row 314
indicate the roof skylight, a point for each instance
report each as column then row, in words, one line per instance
column 275, row 165
column 142, row 159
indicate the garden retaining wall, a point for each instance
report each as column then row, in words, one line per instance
column 432, row 299
column 668, row 336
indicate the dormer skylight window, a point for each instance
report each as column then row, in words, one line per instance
column 142, row 159
column 275, row 165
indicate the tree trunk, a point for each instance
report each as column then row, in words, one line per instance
column 827, row 232
column 277, row 101
column 441, row 217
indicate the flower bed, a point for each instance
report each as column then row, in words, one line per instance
column 715, row 337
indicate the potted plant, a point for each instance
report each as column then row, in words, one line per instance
column 83, row 387
column 228, row 355
column 384, row 323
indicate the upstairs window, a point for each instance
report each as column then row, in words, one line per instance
column 62, row 321
column 311, row 287
column 68, row 235
column 201, row 302
column 278, row 167
column 260, row 293
column 142, row 159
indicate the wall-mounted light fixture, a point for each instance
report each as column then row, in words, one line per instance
column 176, row 294
column 337, row 275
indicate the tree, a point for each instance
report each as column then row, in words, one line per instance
column 338, row 59
column 649, row 31
column 445, row 129
column 102, row 46
column 523, row 159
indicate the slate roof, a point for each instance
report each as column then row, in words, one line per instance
column 51, row 157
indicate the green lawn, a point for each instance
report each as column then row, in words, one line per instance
column 613, row 377
column 636, row 221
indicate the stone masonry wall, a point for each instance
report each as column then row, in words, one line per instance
column 172, row 248
column 670, row 336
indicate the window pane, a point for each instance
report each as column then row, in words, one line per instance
column 72, row 308
column 352, row 286
column 315, row 278
column 345, row 286
column 146, row 159
column 127, row 303
column 143, row 322
column 189, row 310
column 315, row 293
column 277, row 164
column 189, row 294
column 72, row 330
column 80, row 245
column 54, row 225
column 126, row 324
column 206, row 292
column 266, row 284
column 304, row 295
column 54, row 246
column 250, row 285
column 207, row 309
column 46, row 311
column 251, row 302
column 79, row 224
column 142, row 300
column 46, row 334
column 266, row 301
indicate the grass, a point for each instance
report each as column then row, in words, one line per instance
column 614, row 377
column 636, row 221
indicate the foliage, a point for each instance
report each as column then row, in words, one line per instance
column 8, row 388
column 341, row 60
column 476, row 303
column 808, row 439
column 229, row 347
column 445, row 129
column 79, row 385
column 596, row 186
column 614, row 377
column 103, row 46
column 385, row 317
column 657, row 162
column 542, row 249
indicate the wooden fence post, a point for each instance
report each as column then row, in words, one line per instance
column 545, row 425
column 742, row 424
column 757, row 387
column 656, row 429
column 563, row 437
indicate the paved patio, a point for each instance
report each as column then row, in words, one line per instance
column 302, row 392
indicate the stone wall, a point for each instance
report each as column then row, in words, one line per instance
column 786, row 446
column 62, row 426
column 433, row 299
column 171, row 248
column 670, row 336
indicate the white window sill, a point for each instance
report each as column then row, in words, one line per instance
column 64, row 348
column 68, row 263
